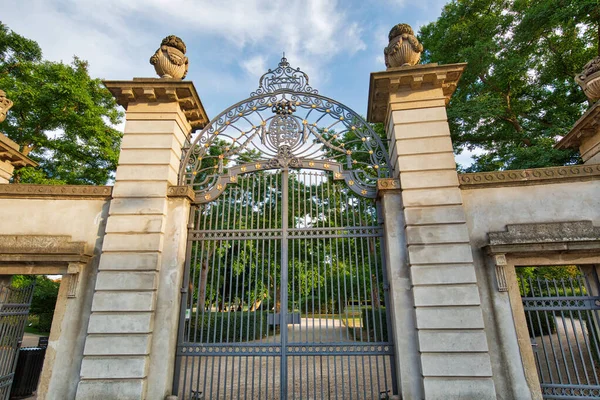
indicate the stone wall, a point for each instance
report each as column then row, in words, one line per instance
column 82, row 217
column 491, row 209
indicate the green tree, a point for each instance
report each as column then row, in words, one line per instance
column 44, row 298
column 61, row 116
column 518, row 92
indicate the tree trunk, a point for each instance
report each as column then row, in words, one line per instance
column 202, row 289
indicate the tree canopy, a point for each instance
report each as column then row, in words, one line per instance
column 61, row 117
column 518, row 93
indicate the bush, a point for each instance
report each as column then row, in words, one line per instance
column 546, row 325
column 243, row 327
column 320, row 307
column 374, row 321
column 45, row 322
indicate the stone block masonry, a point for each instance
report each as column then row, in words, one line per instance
column 139, row 278
column 454, row 355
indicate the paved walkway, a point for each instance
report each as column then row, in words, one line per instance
column 309, row 377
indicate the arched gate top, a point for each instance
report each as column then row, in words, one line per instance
column 285, row 123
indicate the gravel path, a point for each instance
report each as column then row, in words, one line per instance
column 309, row 377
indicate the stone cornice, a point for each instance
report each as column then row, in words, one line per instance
column 9, row 152
column 414, row 77
column 388, row 184
column 153, row 90
column 524, row 177
column 523, row 239
column 55, row 191
column 182, row 191
column 585, row 127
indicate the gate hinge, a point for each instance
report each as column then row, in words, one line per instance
column 386, row 287
column 183, row 290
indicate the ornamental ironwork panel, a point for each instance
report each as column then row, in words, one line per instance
column 284, row 123
column 562, row 319
column 285, row 293
column 14, row 309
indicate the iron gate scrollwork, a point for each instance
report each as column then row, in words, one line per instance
column 285, row 290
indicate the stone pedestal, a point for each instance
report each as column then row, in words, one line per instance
column 130, row 347
column 454, row 357
column 585, row 136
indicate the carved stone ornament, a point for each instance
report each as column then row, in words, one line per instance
column 169, row 60
column 589, row 79
column 5, row 105
column 403, row 49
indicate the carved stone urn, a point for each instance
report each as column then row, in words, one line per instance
column 5, row 105
column 589, row 79
column 169, row 60
column 403, row 49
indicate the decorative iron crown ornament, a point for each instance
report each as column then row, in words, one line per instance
column 169, row 60
column 5, row 105
column 285, row 123
column 403, row 49
column 589, row 79
column 283, row 77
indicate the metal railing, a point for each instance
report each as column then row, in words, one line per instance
column 562, row 319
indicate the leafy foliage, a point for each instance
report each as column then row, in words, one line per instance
column 517, row 94
column 45, row 294
column 61, row 116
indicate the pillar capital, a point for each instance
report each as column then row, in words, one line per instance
column 158, row 90
column 585, row 135
column 10, row 158
column 398, row 85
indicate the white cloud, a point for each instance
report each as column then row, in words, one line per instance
column 255, row 66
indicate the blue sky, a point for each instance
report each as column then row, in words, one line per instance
column 229, row 43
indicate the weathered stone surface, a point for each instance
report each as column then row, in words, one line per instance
column 132, row 206
column 149, row 156
column 126, row 280
column 466, row 317
column 432, row 234
column 164, row 141
column 144, row 189
column 123, row 301
column 440, row 253
column 415, row 130
column 440, row 144
column 443, row 341
column 432, row 197
column 423, row 115
column 117, row 344
column 446, row 295
column 428, row 179
column 424, row 162
column 464, row 389
column 129, row 261
column 133, row 242
column 456, row 364
column 99, row 367
column 138, row 173
column 130, row 389
column 435, row 215
column 135, row 224
column 546, row 233
column 442, row 274
column 138, row 322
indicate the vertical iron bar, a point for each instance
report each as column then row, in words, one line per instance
column 284, row 280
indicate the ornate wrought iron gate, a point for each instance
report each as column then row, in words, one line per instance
column 562, row 319
column 14, row 308
column 285, row 289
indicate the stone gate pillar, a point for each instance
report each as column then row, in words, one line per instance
column 452, row 344
column 130, row 347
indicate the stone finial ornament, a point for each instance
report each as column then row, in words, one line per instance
column 5, row 105
column 169, row 60
column 589, row 79
column 403, row 49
